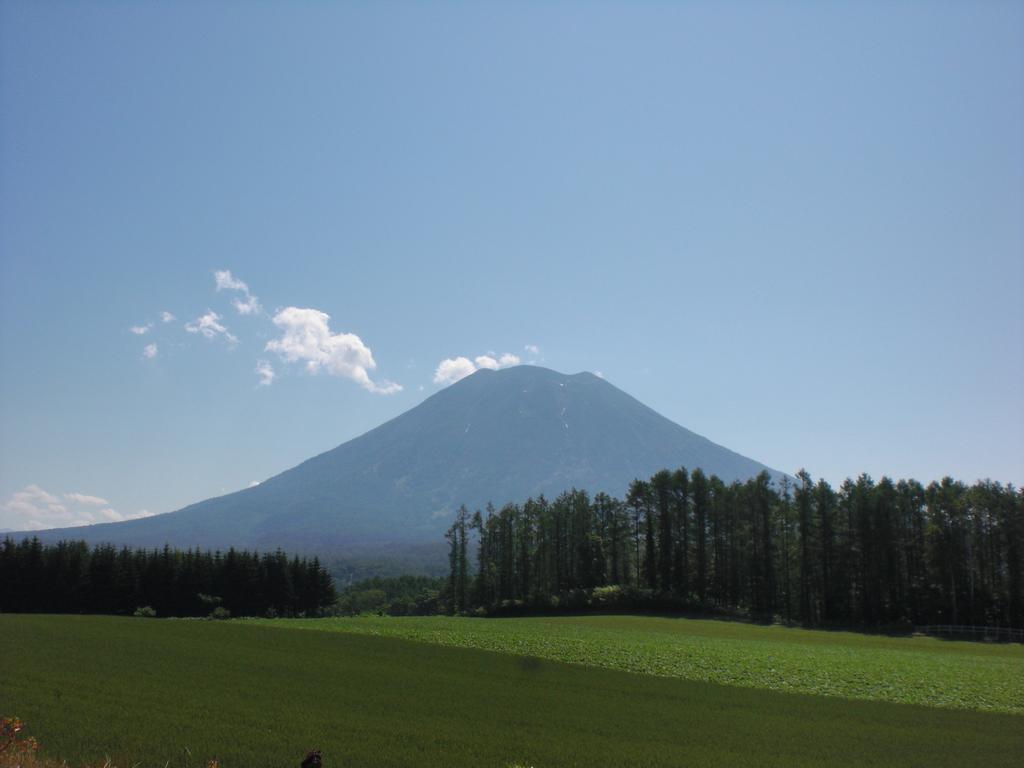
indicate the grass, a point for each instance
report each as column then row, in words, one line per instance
column 919, row 670
column 143, row 691
column 34, row 761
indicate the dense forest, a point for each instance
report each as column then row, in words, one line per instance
column 69, row 577
column 406, row 595
column 867, row 554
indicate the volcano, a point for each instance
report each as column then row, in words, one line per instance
column 495, row 436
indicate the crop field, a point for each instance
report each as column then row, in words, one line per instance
column 151, row 692
column 919, row 670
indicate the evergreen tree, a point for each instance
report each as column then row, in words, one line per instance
column 701, row 502
column 660, row 485
column 804, row 511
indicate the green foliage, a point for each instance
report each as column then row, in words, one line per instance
column 915, row 670
column 399, row 596
column 877, row 555
column 257, row 697
column 145, row 612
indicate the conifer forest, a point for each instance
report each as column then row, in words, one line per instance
column 868, row 554
column 69, row 577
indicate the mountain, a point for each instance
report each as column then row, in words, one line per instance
column 494, row 436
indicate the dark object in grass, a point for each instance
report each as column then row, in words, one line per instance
column 312, row 760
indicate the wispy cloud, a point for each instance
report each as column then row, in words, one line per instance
column 307, row 338
column 167, row 317
column 33, row 509
column 139, row 330
column 247, row 307
column 533, row 349
column 227, row 282
column 266, row 373
column 149, row 351
column 209, row 326
column 452, row 369
column 83, row 498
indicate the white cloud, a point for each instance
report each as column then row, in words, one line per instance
column 266, row 373
column 599, row 374
column 533, row 349
column 149, row 351
column 247, row 307
column 307, row 337
column 34, row 509
column 82, row 498
column 452, row 369
column 209, row 326
column 167, row 317
column 227, row 282
column 139, row 330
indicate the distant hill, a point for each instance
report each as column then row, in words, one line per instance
column 494, row 436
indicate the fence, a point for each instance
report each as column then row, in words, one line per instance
column 1002, row 634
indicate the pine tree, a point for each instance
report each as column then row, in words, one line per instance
column 637, row 501
column 699, row 489
column 661, row 487
column 804, row 511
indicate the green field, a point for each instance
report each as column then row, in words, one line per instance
column 146, row 690
column 919, row 670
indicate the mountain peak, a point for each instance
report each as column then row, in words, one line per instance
column 527, row 370
column 494, row 436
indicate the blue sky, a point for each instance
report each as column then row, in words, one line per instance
column 795, row 229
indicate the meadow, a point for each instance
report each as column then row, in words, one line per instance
column 151, row 691
column 909, row 670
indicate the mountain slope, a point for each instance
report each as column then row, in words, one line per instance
column 494, row 436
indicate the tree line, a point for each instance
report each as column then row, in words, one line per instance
column 69, row 577
column 867, row 554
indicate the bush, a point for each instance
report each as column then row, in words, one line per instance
column 220, row 612
column 145, row 611
column 13, row 741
